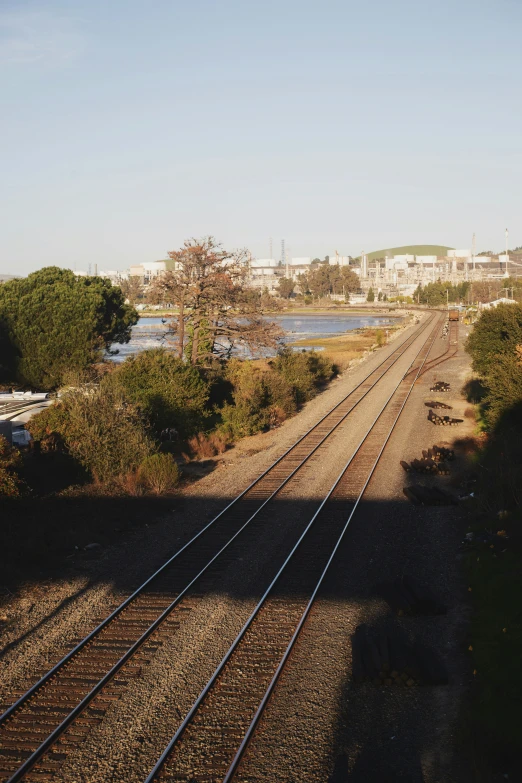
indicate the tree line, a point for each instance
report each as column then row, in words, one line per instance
column 129, row 424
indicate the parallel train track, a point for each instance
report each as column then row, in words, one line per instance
column 210, row 742
column 39, row 730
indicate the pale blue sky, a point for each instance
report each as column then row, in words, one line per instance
column 128, row 126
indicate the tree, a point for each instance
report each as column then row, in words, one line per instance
column 497, row 333
column 52, row 322
column 439, row 293
column 329, row 279
column 345, row 280
column 167, row 390
column 216, row 312
column 285, row 288
column 371, row 296
column 132, row 289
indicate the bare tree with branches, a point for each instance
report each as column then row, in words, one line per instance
column 216, row 312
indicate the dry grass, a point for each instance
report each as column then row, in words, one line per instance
column 343, row 348
column 206, row 446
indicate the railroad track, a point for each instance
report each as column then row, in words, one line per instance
column 453, row 343
column 210, row 742
column 41, row 728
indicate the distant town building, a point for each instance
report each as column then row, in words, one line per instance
column 496, row 303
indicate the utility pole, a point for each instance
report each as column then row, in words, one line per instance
column 507, row 251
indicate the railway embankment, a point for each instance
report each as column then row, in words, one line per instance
column 320, row 716
column 44, row 620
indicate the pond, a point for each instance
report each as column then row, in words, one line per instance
column 151, row 332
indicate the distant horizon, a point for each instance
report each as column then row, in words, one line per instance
column 107, row 267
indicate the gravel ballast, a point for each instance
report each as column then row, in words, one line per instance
column 158, row 699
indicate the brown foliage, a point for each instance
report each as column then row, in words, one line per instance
column 206, row 446
column 216, row 311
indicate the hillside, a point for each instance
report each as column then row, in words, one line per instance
column 417, row 250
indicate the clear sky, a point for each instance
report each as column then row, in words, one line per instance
column 128, row 126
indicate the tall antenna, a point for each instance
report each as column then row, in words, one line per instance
column 283, row 256
column 507, row 252
column 271, row 250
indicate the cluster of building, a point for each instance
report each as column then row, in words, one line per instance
column 393, row 275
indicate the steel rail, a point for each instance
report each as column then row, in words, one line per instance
column 255, row 720
column 444, row 357
column 51, row 739
column 400, row 350
column 153, row 775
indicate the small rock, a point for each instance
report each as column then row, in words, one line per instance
column 92, row 546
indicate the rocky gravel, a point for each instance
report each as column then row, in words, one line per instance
column 39, row 622
column 151, row 709
column 318, row 720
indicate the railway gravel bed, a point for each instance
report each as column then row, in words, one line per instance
column 40, row 622
column 320, row 476
column 225, row 610
column 319, row 723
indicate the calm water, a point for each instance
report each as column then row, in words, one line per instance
column 150, row 332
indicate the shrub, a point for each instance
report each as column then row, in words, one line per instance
column 242, row 419
column 99, row 429
column 169, row 392
column 10, row 462
column 261, row 399
column 159, row 473
column 281, row 394
column 304, row 371
column 206, row 446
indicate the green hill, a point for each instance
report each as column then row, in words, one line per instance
column 416, row 250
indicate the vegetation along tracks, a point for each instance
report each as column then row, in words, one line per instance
column 210, row 742
column 81, row 686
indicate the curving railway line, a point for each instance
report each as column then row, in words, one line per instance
column 44, row 726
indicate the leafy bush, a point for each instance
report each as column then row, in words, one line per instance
column 167, row 391
column 10, row 463
column 305, row 371
column 53, row 321
column 159, row 473
column 265, row 397
column 99, row 429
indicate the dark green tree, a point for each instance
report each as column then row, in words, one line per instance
column 54, row 322
column 441, row 292
column 371, row 296
column 497, row 333
column 167, row 390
